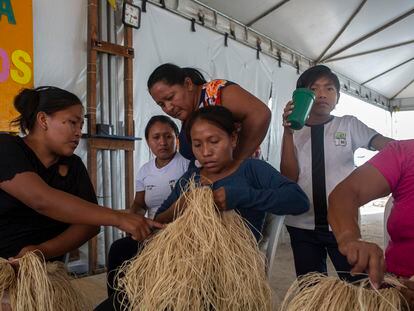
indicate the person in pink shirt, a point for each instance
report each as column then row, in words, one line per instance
column 390, row 171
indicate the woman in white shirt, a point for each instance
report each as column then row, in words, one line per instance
column 157, row 177
column 155, row 181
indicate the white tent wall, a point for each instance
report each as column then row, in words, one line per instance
column 166, row 37
column 284, row 83
column 162, row 38
column 402, row 126
column 237, row 63
column 60, row 51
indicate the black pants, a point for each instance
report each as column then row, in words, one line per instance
column 109, row 304
column 310, row 249
column 121, row 250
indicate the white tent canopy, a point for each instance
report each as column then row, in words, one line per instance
column 368, row 41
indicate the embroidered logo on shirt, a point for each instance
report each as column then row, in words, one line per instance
column 172, row 183
column 149, row 187
column 340, row 139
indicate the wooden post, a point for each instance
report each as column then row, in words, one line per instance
column 129, row 119
column 91, row 111
column 96, row 142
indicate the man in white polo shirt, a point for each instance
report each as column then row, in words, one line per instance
column 318, row 157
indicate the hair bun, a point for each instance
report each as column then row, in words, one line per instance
column 27, row 101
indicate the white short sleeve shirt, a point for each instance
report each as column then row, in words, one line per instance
column 159, row 182
column 341, row 137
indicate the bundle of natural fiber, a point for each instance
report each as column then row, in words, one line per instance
column 204, row 260
column 7, row 277
column 318, row 292
column 40, row 286
column 33, row 288
column 66, row 296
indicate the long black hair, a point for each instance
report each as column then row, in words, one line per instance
column 47, row 99
column 217, row 115
column 172, row 74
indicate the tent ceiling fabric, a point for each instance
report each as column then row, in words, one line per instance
column 308, row 27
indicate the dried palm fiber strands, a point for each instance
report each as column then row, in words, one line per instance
column 66, row 296
column 40, row 286
column 318, row 292
column 204, row 260
column 7, row 277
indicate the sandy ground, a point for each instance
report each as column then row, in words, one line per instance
column 283, row 272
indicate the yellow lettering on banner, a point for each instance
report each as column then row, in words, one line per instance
column 19, row 59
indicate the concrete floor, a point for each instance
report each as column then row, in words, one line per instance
column 284, row 274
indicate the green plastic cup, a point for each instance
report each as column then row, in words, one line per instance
column 303, row 101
